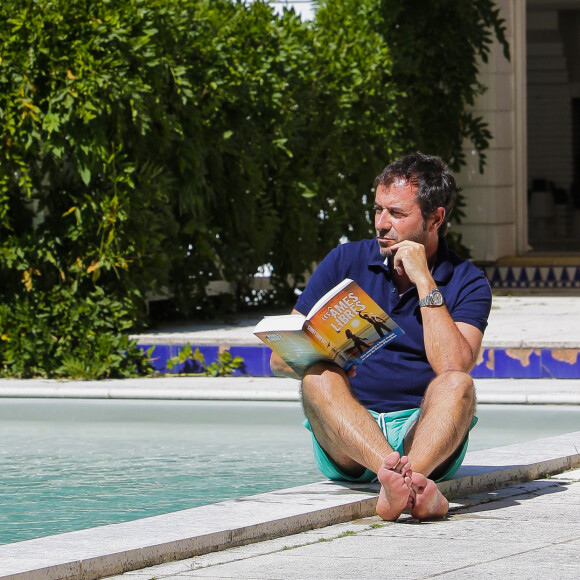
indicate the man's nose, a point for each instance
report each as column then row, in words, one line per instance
column 383, row 220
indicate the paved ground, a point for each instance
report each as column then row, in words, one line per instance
column 515, row 321
column 531, row 530
column 522, row 321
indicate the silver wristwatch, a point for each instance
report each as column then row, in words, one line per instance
column 434, row 298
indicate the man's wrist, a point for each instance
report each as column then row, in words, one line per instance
column 425, row 285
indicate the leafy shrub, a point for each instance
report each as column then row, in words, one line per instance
column 85, row 90
column 57, row 334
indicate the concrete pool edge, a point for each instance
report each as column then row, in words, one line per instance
column 489, row 391
column 113, row 549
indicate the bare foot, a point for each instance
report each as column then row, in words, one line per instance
column 425, row 500
column 395, row 478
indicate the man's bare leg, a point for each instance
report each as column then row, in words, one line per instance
column 446, row 414
column 351, row 437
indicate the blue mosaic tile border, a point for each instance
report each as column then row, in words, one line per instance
column 499, row 363
column 163, row 352
column 256, row 358
column 528, row 363
column 533, row 276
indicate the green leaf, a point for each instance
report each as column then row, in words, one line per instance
column 51, row 122
column 85, row 174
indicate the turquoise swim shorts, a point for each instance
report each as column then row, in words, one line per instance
column 394, row 425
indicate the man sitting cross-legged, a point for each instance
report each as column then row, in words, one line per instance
column 405, row 414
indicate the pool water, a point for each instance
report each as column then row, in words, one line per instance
column 72, row 464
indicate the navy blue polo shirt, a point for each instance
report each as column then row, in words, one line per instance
column 396, row 377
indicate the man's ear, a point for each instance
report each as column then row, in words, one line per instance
column 437, row 218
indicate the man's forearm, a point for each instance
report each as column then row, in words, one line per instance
column 446, row 347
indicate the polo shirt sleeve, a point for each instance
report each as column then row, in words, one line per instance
column 326, row 276
column 473, row 303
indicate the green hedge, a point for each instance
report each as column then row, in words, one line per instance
column 156, row 145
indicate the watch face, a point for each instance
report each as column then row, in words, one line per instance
column 436, row 297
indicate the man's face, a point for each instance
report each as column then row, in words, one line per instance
column 398, row 216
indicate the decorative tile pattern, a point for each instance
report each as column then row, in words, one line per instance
column 528, row 363
column 500, row 363
column 163, row 352
column 521, row 363
column 485, row 366
column 505, row 277
column 256, row 360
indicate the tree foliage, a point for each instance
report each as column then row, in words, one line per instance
column 157, row 145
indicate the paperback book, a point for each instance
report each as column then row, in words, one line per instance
column 346, row 326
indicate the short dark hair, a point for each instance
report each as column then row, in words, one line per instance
column 435, row 184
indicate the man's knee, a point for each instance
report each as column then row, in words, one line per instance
column 455, row 386
column 324, row 386
column 319, row 379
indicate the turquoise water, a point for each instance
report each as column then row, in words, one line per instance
column 68, row 465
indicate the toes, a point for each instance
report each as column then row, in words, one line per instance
column 419, row 482
column 405, row 467
column 392, row 461
column 418, row 488
column 398, row 464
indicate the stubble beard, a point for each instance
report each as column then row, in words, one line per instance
column 419, row 236
column 386, row 250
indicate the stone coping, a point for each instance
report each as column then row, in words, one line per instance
column 489, row 391
column 114, row 549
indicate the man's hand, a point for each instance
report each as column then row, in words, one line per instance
column 409, row 259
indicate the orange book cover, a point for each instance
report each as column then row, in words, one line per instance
column 353, row 322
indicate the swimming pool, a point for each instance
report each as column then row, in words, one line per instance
column 72, row 464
